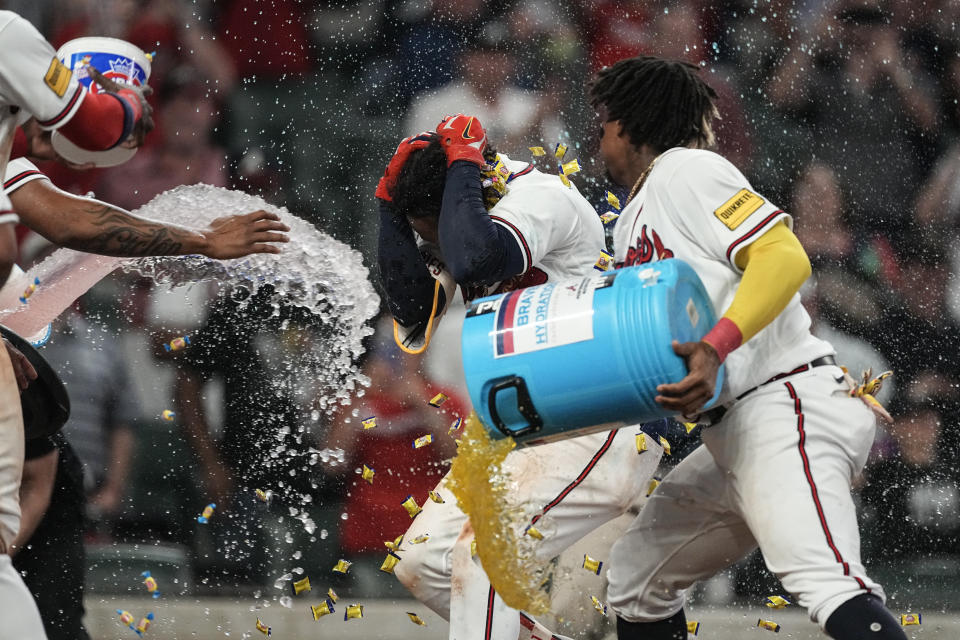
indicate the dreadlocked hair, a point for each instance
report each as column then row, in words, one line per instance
column 419, row 189
column 660, row 103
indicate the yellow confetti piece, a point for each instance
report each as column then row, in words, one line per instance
column 325, row 608
column 608, row 217
column 300, row 586
column 591, row 565
column 208, row 510
column 570, row 168
column 776, row 602
column 559, row 151
column 144, row 624
column 420, row 539
column 473, row 548
column 438, row 399
column 353, row 611
column 332, row 595
column 177, row 344
column 767, row 624
column 423, row 441
column 29, row 290
column 393, row 545
column 342, row 566
column 613, row 200
column 534, row 533
column 654, row 483
column 665, row 444
column 908, row 619
column 537, row 151
column 410, row 504
column 604, row 262
column 482, row 490
column 599, row 606
column 689, row 426
column 454, row 426
column 693, row 628
column 564, row 180
column 389, row 562
column 263, row 496
column 415, row 619
column 367, row 474
column 369, row 423
column 436, row 497
column 168, row 415
column 262, row 628
column 641, row 442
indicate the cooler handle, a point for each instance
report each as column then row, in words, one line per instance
column 524, row 406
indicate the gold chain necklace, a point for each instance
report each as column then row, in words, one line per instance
column 643, row 178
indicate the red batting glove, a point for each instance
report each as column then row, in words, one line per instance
column 392, row 173
column 463, row 138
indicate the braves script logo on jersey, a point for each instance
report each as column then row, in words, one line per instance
column 644, row 250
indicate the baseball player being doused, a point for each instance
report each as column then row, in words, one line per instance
column 440, row 228
column 776, row 466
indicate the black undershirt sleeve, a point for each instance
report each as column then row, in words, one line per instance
column 475, row 248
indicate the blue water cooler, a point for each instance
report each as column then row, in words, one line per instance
column 567, row 358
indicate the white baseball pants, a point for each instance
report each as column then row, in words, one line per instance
column 571, row 487
column 18, row 611
column 21, row 618
column 11, row 452
column 775, row 473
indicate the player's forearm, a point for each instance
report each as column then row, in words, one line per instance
column 110, row 231
column 103, row 120
column 775, row 267
column 408, row 285
column 475, row 247
column 96, row 227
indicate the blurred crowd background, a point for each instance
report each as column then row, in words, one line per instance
column 844, row 112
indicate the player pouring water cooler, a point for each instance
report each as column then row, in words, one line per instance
column 564, row 359
column 35, row 83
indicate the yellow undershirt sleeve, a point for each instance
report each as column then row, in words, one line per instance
column 774, row 267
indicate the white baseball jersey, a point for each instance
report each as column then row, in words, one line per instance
column 33, row 82
column 696, row 206
column 559, row 232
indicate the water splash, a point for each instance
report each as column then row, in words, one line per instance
column 314, row 272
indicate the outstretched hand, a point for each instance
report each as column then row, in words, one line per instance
column 690, row 394
column 240, row 235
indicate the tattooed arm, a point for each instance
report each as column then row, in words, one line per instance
column 96, row 227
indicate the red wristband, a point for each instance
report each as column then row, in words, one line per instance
column 724, row 337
